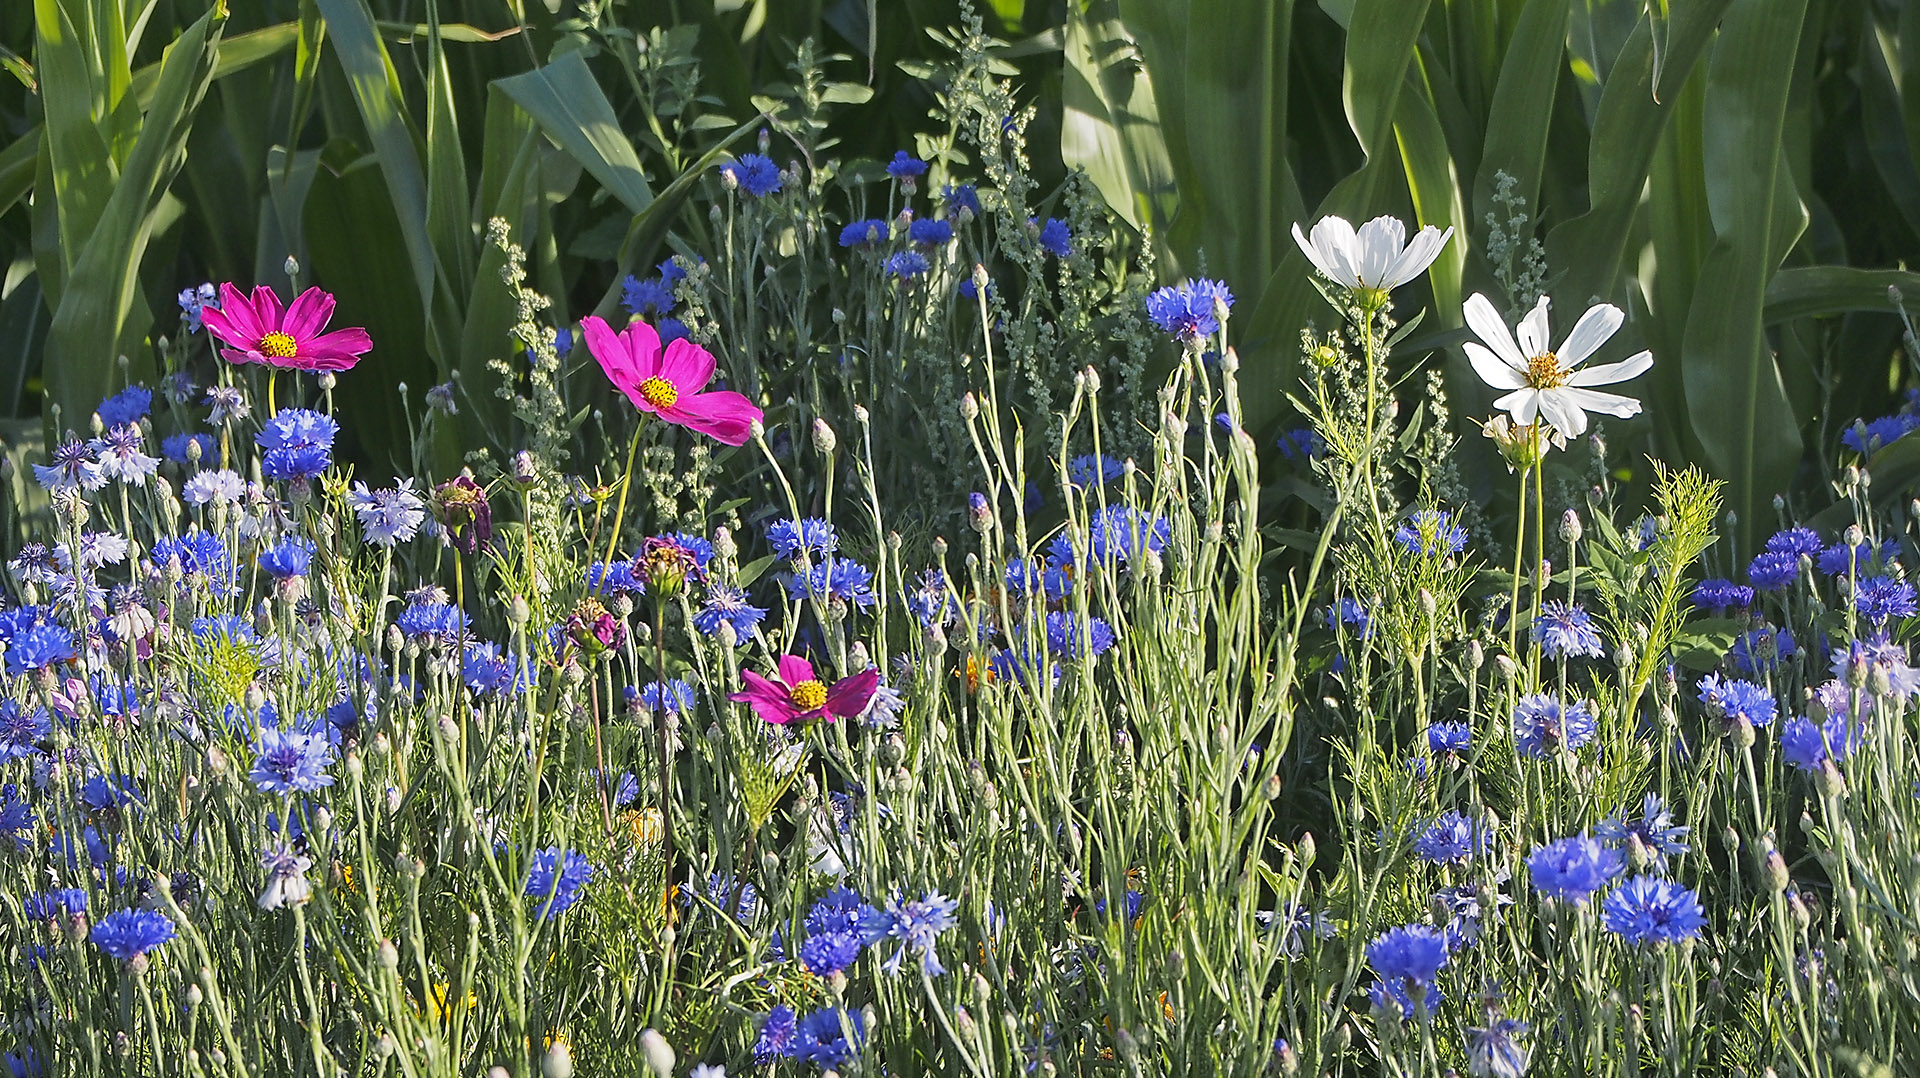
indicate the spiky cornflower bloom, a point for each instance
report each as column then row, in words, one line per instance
column 95, row 550
column 389, row 515
column 776, row 1035
column 905, row 167
column 960, row 199
column 288, row 559
column 594, row 628
column 1773, row 570
column 1188, row 311
column 836, row 580
column 466, row 520
column 256, row 330
column 620, row 578
column 287, row 883
column 1654, row 830
column 1808, row 746
column 931, row 600
column 1349, row 612
column 839, row 910
column 1090, row 470
column 1453, row 839
column 1649, row 909
column 916, row 924
column 72, row 465
column 297, row 444
column 291, row 761
column 1055, row 237
column 1566, row 629
column 55, row 904
column 1880, row 599
column 130, row 405
column 822, row 1037
column 1494, row 1052
column 665, row 563
column 1879, row 663
column 1543, row 726
column 669, row 380
column 868, row 233
column 813, row 536
column 727, row 605
column 174, row 447
column 1796, row 541
column 213, row 487
column 930, row 232
column 1391, row 1000
column 226, row 404
column 1065, row 639
column 1408, row 958
column 1722, row 596
column 1573, row 869
column 756, row 174
column 122, row 455
column 132, row 933
column 1841, row 560
column 798, row 695
column 555, row 879
column 1431, row 533
column 16, row 817
column 201, row 558
column 489, row 672
column 1117, row 535
column 432, row 623
column 1445, row 738
column 906, row 265
column 21, row 730
column 1302, row 444
column 39, row 647
column 194, row 302
column 105, row 793
column 1761, row 649
column 677, row 699
column 831, row 953
column 1734, row 702
column 647, row 298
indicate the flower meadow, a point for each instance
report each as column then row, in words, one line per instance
column 699, row 731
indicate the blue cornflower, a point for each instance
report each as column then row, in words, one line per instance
column 555, row 879
column 1648, row 909
column 814, row 536
column 1572, row 869
column 671, row 272
column 825, row 955
column 1773, row 570
column 1807, row 746
column 932, row 601
column 291, row 761
column 1870, row 656
column 1565, row 629
column 1430, row 533
column 194, row 300
column 1054, row 236
column 727, row 605
column 621, row 578
column 700, row 548
column 1453, row 839
column 1350, row 612
column 960, row 198
column 917, row 924
column 102, row 793
column 671, row 330
column 969, row 290
column 1658, row 835
column 1408, row 956
column 905, row 166
column 1732, row 701
column 71, row 466
column 822, row 1037
column 1089, row 470
column 1493, row 1051
column 678, row 697
column 389, row 515
column 55, row 904
column 1117, row 534
column 1065, row 639
column 1882, row 598
column 1449, row 737
column 647, row 298
column 1796, row 541
column 907, row 265
column 839, row 910
column 726, row 891
column 1302, row 444
column 38, row 647
column 297, row 444
column 776, row 1035
column 287, row 559
column 1761, row 649
column 871, row 232
column 489, row 671
column 432, row 622
column 21, row 730
column 930, row 232
column 129, row 934
column 1543, row 726
column 16, row 817
column 756, row 174
column 130, row 405
column 1722, row 595
column 841, row 579
column 1391, row 999
column 1842, row 560
column 174, row 447
column 1871, row 437
column 1188, row 310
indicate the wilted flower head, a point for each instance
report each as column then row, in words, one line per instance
column 466, row 520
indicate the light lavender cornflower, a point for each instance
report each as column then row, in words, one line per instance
column 72, row 466
column 916, row 924
column 287, row 883
column 227, row 404
column 213, row 487
column 389, row 515
column 122, row 455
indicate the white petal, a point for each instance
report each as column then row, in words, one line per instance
column 1334, row 239
column 1492, row 369
column 1535, row 332
column 1314, row 254
column 1522, row 404
column 1491, row 328
column 1608, row 373
column 1593, row 330
column 1381, row 241
column 1593, row 400
column 1563, row 412
column 1419, row 254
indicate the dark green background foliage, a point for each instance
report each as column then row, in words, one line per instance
column 1743, row 176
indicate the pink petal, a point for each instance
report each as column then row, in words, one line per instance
column 851, row 695
column 723, row 415
column 234, row 321
column 794, row 670
column 266, row 307
column 336, row 351
column 614, row 358
column 242, row 355
column 768, row 699
column 687, row 365
column 308, row 315
column 643, row 344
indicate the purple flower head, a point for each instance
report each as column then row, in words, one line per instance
column 1188, row 311
column 1449, row 737
column 1773, row 570
column 729, row 606
column 930, row 232
column 916, row 924
column 291, row 761
column 907, row 265
column 1721, row 596
column 128, row 406
column 1880, row 599
column 1055, row 238
column 1453, row 839
column 1733, row 701
column 906, row 167
column 1796, row 541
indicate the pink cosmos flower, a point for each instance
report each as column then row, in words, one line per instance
column 258, row 331
column 799, row 696
column 668, row 383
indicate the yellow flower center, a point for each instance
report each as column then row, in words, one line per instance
column 278, row 345
column 659, row 392
column 809, row 695
column 1544, row 371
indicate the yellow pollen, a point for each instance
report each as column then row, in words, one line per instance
column 278, row 345
column 1544, row 371
column 659, row 392
column 810, row 695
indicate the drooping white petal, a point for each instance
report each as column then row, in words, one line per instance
column 1333, row 237
column 1594, row 329
column 1562, row 412
column 1535, row 332
column 1381, row 241
column 1487, row 324
column 1522, row 404
column 1313, row 252
column 1608, row 373
column 1493, row 370
column 1420, row 253
column 1593, row 400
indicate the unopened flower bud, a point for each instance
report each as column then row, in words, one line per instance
column 969, row 407
column 558, row 1062
column 824, row 440
column 659, row 1054
column 1570, row 529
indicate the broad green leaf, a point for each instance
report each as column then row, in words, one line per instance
column 571, row 108
column 1519, row 119
column 1435, row 188
column 1814, row 291
column 1111, row 124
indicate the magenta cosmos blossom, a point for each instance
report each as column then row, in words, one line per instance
column 668, row 382
column 257, row 330
column 798, row 696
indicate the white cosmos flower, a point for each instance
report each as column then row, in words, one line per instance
column 1377, row 259
column 1545, row 384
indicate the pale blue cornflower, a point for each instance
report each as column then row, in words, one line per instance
column 1566, row 629
column 71, row 466
column 916, row 924
column 213, row 487
column 1654, row 830
column 389, row 515
column 291, row 761
column 122, row 455
column 1543, row 725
